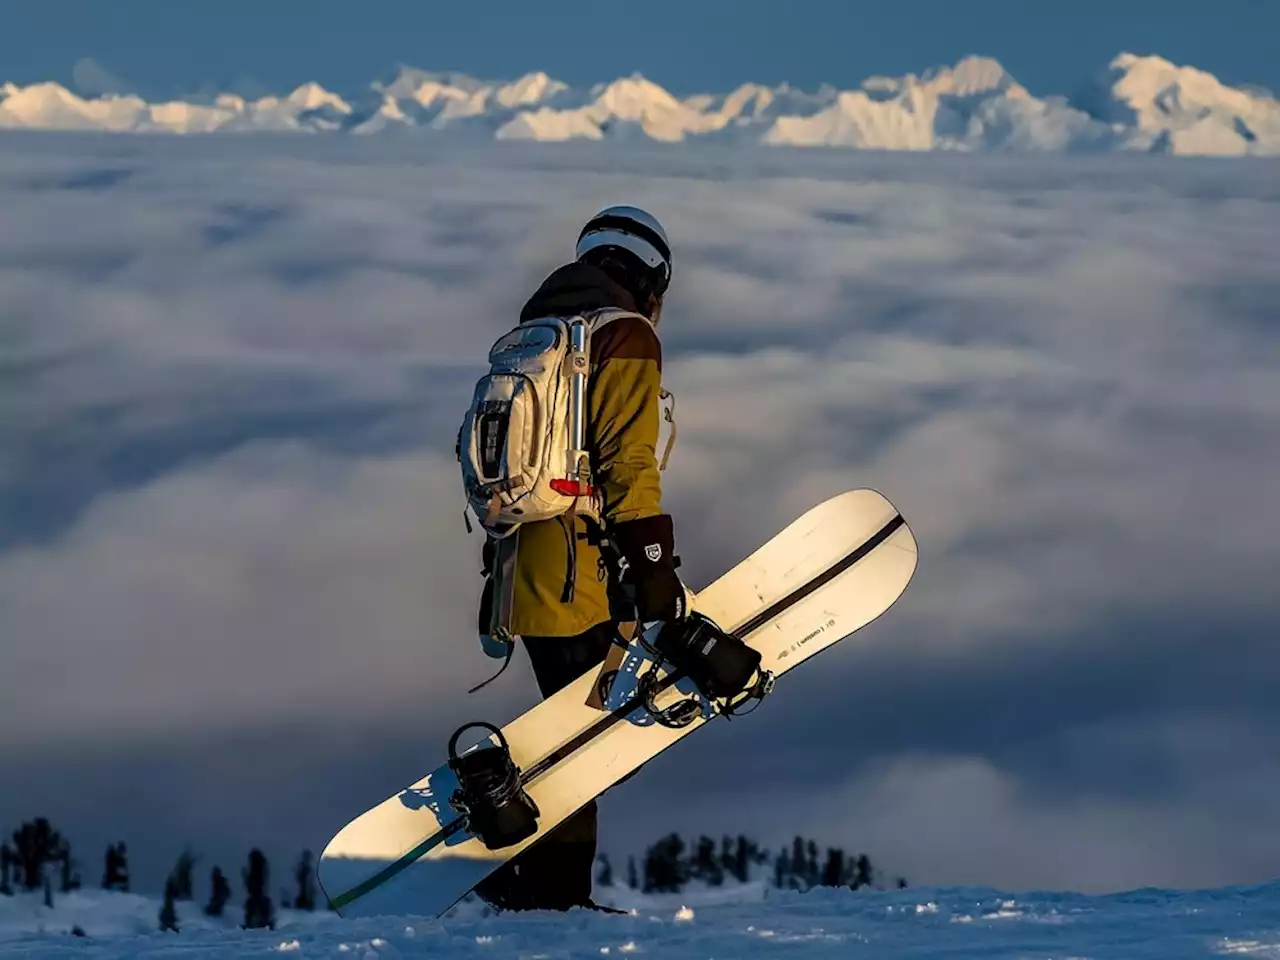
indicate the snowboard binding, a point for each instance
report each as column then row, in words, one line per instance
column 725, row 670
column 489, row 794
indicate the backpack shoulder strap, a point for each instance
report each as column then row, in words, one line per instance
column 598, row 319
column 606, row 315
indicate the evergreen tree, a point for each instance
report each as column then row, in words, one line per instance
column 115, row 872
column 70, row 879
column 706, row 866
column 902, row 883
column 168, row 912
column 110, row 867
column 782, row 870
column 758, row 854
column 304, row 874
column 742, row 854
column 799, row 863
column 220, row 893
column 183, row 888
column 35, row 844
column 833, row 873
column 6, row 860
column 812, row 872
column 124, row 866
column 861, row 872
column 633, row 880
column 664, row 867
column 604, row 875
column 258, row 910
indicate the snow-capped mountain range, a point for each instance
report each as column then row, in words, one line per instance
column 1138, row 103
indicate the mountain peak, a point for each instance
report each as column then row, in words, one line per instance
column 1170, row 108
column 635, row 98
column 1138, row 102
column 406, row 82
column 312, row 96
column 1128, row 61
column 972, row 76
column 529, row 89
column 636, row 86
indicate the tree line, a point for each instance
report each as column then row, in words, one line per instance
column 669, row 864
column 38, row 857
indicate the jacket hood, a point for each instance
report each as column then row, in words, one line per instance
column 575, row 287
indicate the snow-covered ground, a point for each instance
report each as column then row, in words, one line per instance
column 1136, row 103
column 745, row 922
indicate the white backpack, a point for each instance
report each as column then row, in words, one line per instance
column 522, row 442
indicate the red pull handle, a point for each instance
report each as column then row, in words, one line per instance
column 572, row 488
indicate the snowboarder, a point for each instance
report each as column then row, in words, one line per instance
column 563, row 586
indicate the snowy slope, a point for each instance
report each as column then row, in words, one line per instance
column 748, row 922
column 1136, row 103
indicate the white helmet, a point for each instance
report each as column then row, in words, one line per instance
column 631, row 229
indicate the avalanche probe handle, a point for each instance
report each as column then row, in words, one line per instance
column 579, row 363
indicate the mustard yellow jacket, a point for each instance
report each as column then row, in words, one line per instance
column 624, row 410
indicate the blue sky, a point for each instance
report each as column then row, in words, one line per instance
column 687, row 46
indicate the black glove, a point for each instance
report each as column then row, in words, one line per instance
column 649, row 575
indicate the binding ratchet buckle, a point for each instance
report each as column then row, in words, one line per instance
column 726, row 671
column 759, row 689
column 684, row 711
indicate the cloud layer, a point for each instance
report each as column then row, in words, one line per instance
column 236, row 590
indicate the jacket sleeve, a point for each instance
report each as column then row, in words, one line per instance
column 625, row 412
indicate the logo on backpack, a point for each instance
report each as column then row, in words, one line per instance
column 654, row 552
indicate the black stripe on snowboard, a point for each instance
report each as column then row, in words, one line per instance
column 604, row 724
column 820, row 581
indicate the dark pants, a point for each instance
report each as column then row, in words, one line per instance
column 556, row 872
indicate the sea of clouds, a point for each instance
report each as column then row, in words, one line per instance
column 237, row 595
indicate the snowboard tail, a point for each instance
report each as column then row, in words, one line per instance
column 825, row 576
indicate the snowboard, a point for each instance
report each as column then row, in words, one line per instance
column 825, row 576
